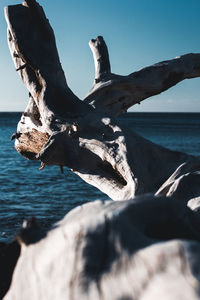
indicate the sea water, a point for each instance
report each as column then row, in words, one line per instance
column 49, row 195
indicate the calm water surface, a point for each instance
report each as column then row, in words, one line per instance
column 49, row 195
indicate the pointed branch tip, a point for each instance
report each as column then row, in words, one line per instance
column 29, row 3
column 42, row 166
column 101, row 56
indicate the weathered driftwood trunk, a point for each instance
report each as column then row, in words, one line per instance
column 60, row 129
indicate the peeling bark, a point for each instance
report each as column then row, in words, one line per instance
column 31, row 143
column 57, row 128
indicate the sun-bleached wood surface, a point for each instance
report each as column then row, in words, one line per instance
column 110, row 251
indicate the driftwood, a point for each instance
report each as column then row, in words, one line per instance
column 111, row 251
column 103, row 250
column 57, row 128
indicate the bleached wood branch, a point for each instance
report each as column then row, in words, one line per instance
column 101, row 58
column 33, row 49
column 114, row 94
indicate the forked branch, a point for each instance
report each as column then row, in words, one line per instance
column 114, row 94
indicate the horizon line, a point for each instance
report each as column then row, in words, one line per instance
column 139, row 112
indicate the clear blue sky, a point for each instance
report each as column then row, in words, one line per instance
column 138, row 33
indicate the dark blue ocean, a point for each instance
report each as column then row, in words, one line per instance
column 49, row 195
